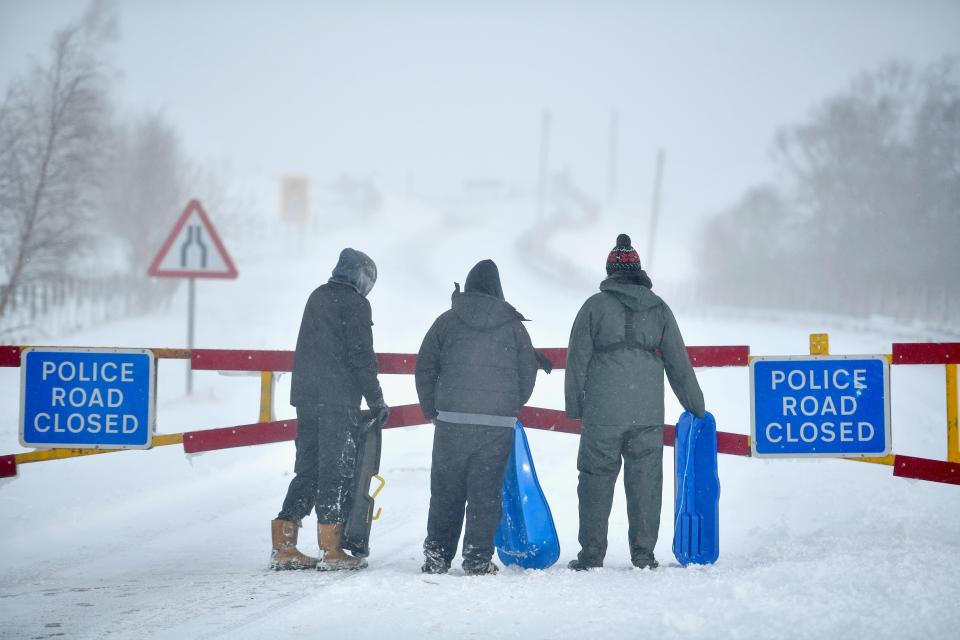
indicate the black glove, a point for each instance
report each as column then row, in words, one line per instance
column 377, row 416
column 545, row 363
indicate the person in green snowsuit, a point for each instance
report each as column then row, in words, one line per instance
column 623, row 340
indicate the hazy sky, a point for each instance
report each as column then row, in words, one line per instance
column 452, row 90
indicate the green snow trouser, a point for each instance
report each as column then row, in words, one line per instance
column 601, row 448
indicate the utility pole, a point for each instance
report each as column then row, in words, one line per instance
column 655, row 209
column 612, row 158
column 544, row 158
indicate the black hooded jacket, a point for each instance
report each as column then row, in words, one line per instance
column 477, row 358
column 335, row 363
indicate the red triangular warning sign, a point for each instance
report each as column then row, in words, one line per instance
column 193, row 249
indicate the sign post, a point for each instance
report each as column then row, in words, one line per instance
column 192, row 250
column 820, row 406
column 87, row 398
column 191, row 314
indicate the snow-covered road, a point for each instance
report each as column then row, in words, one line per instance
column 159, row 544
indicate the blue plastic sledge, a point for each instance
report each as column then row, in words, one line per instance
column 526, row 536
column 696, row 503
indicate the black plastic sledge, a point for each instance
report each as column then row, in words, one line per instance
column 356, row 529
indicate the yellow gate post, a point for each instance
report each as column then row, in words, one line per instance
column 267, row 384
column 953, row 442
column 819, row 344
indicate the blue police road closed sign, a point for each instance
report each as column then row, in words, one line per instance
column 87, row 398
column 820, row 406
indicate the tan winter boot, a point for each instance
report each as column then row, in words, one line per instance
column 334, row 559
column 285, row 554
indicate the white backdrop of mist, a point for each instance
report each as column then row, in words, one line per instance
column 431, row 94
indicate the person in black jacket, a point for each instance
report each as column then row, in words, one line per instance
column 333, row 367
column 475, row 370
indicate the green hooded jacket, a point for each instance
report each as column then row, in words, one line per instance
column 611, row 380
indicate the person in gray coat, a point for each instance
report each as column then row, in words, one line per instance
column 475, row 370
column 623, row 340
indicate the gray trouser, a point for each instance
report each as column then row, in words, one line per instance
column 601, row 448
column 466, row 476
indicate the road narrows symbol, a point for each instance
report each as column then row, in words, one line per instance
column 194, row 237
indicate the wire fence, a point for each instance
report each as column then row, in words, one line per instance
column 929, row 309
column 39, row 310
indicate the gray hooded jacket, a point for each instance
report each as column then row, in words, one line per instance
column 355, row 269
column 335, row 363
column 476, row 364
column 613, row 380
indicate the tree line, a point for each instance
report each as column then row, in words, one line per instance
column 865, row 206
column 84, row 190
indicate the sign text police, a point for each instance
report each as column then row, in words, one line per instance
column 806, row 406
column 87, row 398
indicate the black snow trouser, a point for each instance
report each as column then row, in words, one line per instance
column 326, row 457
column 601, row 448
column 466, row 473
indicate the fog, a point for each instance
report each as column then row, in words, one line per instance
column 425, row 99
column 448, row 92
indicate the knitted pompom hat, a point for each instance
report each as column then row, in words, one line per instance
column 623, row 258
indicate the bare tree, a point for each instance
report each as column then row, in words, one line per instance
column 868, row 213
column 747, row 235
column 51, row 130
column 851, row 170
column 144, row 186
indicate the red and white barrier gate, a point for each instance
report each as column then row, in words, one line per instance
column 267, row 430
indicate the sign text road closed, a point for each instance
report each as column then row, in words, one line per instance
column 809, row 406
column 87, row 398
